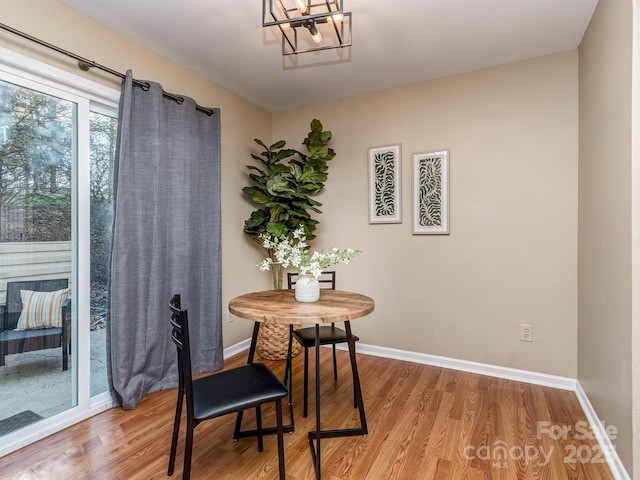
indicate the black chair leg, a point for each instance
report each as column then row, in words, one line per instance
column 335, row 364
column 188, row 448
column 176, row 432
column 280, row 432
column 306, row 382
column 259, row 427
column 288, row 366
column 236, row 430
column 288, row 373
column 355, row 401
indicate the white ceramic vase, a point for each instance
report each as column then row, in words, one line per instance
column 307, row 288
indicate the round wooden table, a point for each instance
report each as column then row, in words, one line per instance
column 280, row 306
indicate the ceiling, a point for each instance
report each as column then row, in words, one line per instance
column 395, row 42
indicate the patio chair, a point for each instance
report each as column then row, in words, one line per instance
column 215, row 395
column 329, row 335
column 46, row 323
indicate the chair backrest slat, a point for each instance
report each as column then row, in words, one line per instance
column 180, row 337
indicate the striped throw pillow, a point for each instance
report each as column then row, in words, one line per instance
column 41, row 309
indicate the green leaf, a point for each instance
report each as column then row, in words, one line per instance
column 278, row 207
column 258, row 158
column 260, row 198
column 314, row 178
column 255, row 224
column 330, row 154
column 259, row 142
column 318, row 166
column 320, row 152
column 311, row 188
column 278, row 185
column 251, row 190
column 275, row 210
column 307, row 207
column 277, row 145
column 316, row 125
column 281, row 155
column 302, row 214
column 296, row 171
column 277, row 229
column 258, row 178
column 253, row 167
column 279, row 170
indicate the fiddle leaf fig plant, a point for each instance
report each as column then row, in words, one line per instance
column 284, row 182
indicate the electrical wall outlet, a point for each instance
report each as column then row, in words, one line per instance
column 526, row 332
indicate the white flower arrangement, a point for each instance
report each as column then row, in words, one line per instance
column 294, row 253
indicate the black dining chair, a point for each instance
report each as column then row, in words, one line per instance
column 218, row 394
column 306, row 336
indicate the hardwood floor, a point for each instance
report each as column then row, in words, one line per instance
column 424, row 423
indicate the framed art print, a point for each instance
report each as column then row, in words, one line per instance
column 431, row 193
column 384, row 184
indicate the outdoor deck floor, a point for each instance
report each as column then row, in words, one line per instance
column 35, row 380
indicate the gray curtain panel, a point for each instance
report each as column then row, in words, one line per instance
column 166, row 240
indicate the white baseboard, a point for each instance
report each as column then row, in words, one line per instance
column 237, row 348
column 597, row 427
column 553, row 381
column 536, row 378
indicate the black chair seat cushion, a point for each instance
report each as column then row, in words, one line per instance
column 238, row 389
column 328, row 335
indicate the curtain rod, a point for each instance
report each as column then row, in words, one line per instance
column 85, row 65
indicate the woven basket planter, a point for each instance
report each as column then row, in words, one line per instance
column 273, row 342
column 273, row 338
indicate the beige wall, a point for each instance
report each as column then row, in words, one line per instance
column 605, row 242
column 241, row 121
column 511, row 255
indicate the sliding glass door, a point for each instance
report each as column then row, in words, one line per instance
column 103, row 143
column 37, row 154
column 57, row 141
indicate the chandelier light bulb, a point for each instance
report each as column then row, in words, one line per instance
column 302, row 6
column 285, row 26
column 315, row 34
column 337, row 18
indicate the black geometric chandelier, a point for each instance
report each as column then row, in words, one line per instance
column 307, row 26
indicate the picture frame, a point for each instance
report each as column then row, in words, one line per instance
column 384, row 184
column 431, row 193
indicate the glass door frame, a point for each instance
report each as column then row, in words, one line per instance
column 88, row 96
